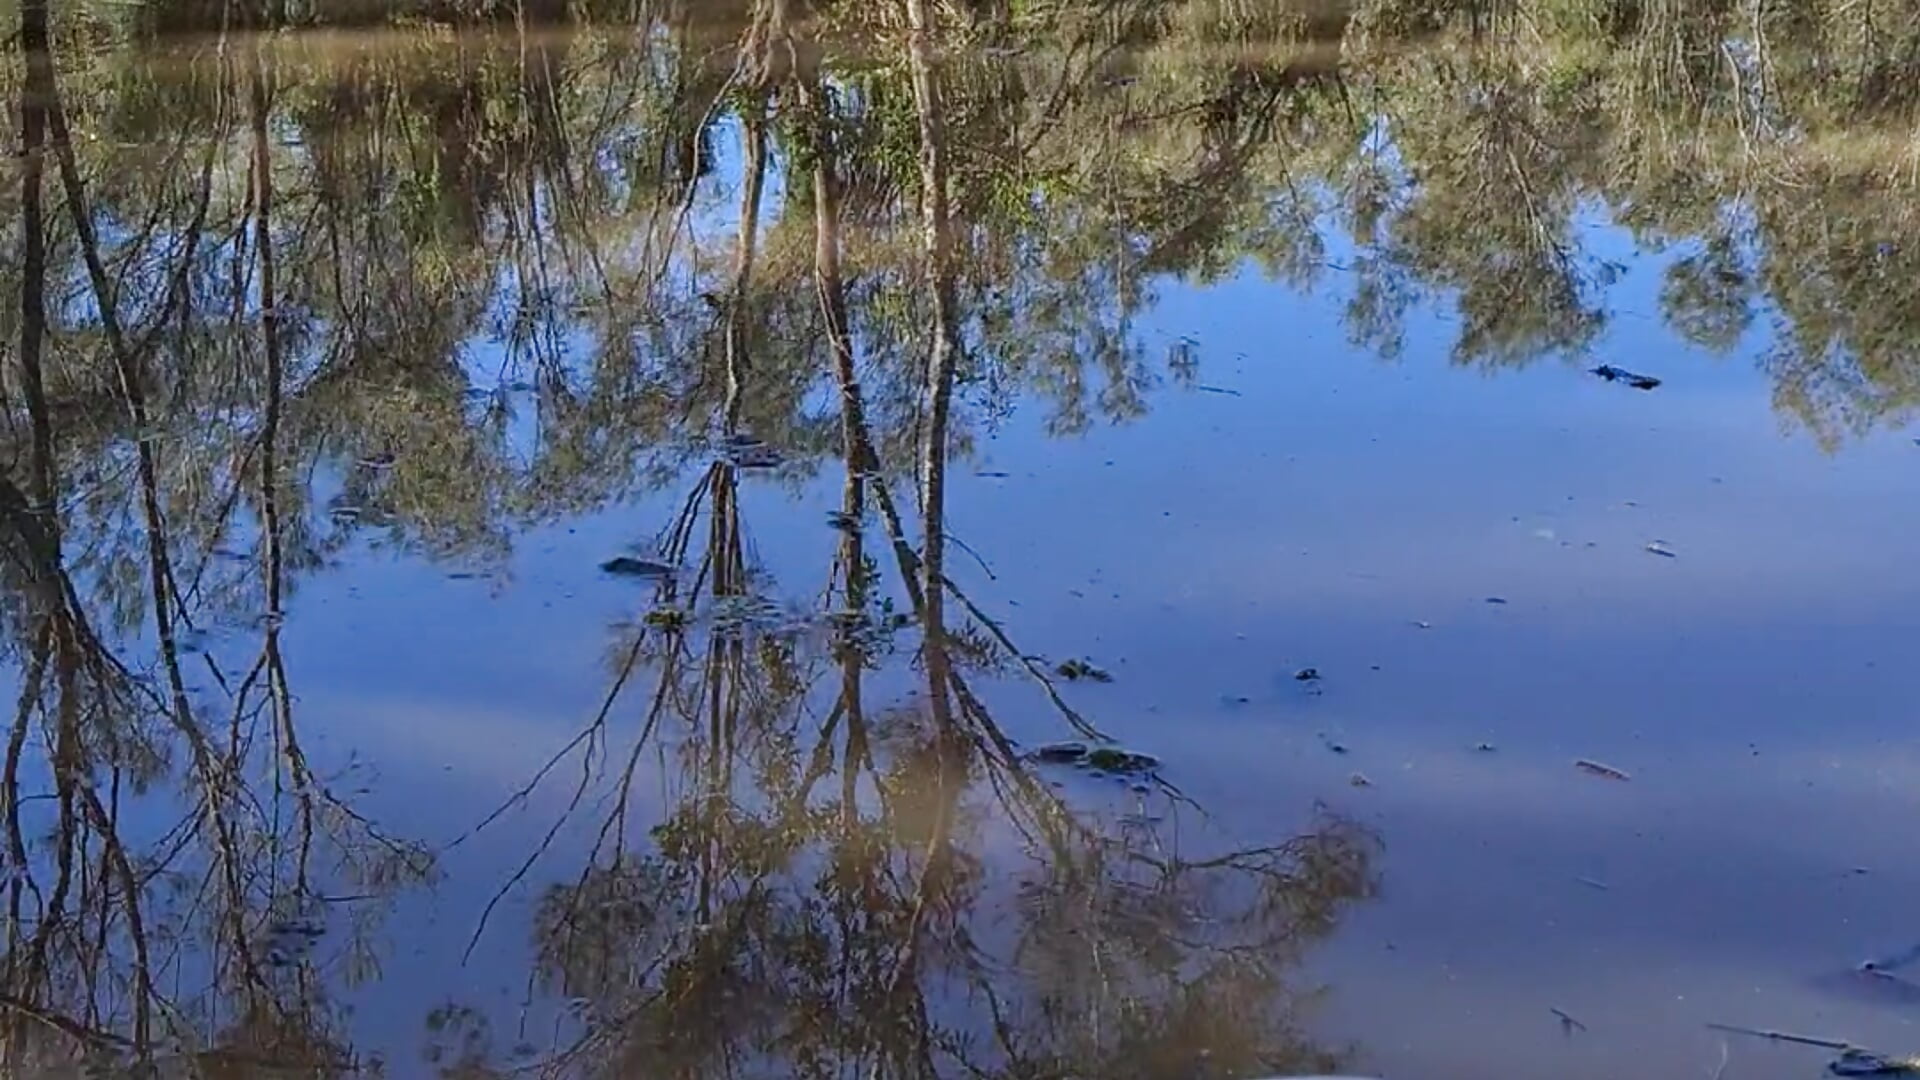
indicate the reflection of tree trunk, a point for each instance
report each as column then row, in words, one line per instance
column 132, row 388
column 832, row 293
column 215, row 780
column 739, row 364
column 938, row 395
column 270, row 342
column 856, row 444
column 33, row 255
column 32, row 509
column 38, row 504
column 67, row 633
column 281, row 698
column 937, row 403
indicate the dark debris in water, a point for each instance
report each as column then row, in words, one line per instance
column 1852, row 1060
column 1622, row 375
column 633, row 566
column 1307, row 674
column 1113, row 759
column 1604, row 771
column 1097, row 760
column 1077, row 670
column 1067, row 753
column 1856, row 1062
column 666, row 618
column 1569, row 1025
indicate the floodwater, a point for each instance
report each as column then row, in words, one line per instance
column 570, row 551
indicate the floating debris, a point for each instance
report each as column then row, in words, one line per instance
column 666, row 618
column 1336, row 746
column 1082, row 669
column 1496, row 599
column 992, row 474
column 1853, row 1060
column 1113, row 759
column 1568, row 1025
column 1660, row 548
column 1485, row 747
column 1594, row 883
column 1856, row 1062
column 1307, row 674
column 1359, row 780
column 1066, row 753
column 1098, row 760
column 1633, row 379
column 633, row 566
column 1889, row 963
column 1608, row 772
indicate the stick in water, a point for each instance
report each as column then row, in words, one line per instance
column 1781, row 1036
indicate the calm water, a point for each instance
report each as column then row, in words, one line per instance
column 570, row 551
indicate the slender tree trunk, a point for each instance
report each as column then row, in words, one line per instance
column 937, row 395
column 33, row 257
column 739, row 362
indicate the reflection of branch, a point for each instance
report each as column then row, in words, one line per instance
column 64, row 1024
column 1040, row 676
column 589, row 736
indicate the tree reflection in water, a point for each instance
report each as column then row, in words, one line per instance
column 840, row 889
column 281, row 295
column 837, row 888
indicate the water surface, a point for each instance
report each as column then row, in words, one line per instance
column 568, row 548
